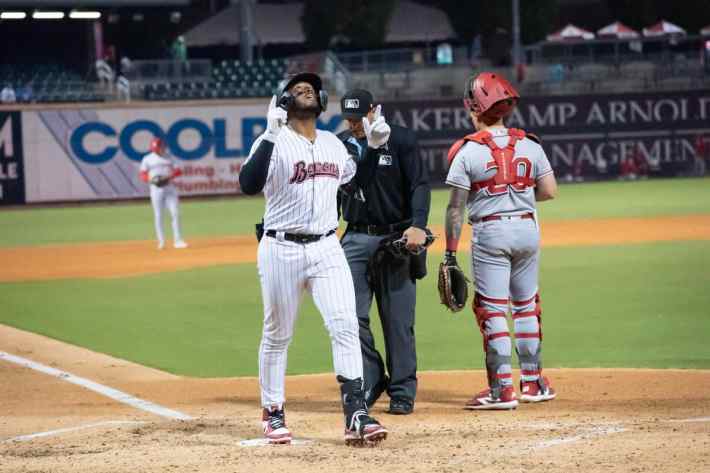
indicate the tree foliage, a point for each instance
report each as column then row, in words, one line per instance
column 359, row 23
column 486, row 17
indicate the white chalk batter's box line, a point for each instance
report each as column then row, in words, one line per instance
column 114, row 394
column 50, row 433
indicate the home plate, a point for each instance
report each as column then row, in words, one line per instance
column 265, row 443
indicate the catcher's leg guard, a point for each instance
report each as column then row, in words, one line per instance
column 528, row 337
column 496, row 339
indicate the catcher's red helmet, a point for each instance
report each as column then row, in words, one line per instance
column 157, row 145
column 491, row 94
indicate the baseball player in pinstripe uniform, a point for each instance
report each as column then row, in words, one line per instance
column 498, row 174
column 300, row 168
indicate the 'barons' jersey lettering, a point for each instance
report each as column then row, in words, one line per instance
column 303, row 171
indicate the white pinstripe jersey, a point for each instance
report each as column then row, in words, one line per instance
column 303, row 180
column 157, row 165
column 472, row 165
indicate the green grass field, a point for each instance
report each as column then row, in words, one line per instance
column 643, row 305
column 219, row 217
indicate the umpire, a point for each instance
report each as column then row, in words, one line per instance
column 388, row 198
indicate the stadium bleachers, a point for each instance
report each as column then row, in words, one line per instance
column 230, row 79
column 47, row 83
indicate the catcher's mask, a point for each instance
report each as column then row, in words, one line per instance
column 491, row 95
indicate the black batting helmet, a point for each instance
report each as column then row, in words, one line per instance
column 315, row 81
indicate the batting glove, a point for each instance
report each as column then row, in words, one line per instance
column 377, row 132
column 275, row 120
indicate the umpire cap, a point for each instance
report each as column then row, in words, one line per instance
column 356, row 103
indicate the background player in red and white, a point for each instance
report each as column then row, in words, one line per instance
column 300, row 169
column 158, row 169
column 498, row 174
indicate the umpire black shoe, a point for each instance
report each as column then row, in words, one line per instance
column 401, row 406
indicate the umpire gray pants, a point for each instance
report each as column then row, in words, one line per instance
column 396, row 300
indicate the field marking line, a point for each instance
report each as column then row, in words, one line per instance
column 692, row 419
column 265, row 443
column 592, row 432
column 114, row 394
column 48, row 433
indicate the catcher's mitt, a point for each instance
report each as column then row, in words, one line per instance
column 160, row 181
column 453, row 284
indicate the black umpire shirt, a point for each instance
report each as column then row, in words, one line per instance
column 392, row 180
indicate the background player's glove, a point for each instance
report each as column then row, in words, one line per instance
column 377, row 132
column 160, row 181
column 453, row 284
column 275, row 120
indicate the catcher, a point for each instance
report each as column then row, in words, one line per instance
column 159, row 170
column 386, row 202
column 499, row 174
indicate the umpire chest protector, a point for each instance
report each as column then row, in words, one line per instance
column 504, row 160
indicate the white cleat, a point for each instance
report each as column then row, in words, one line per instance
column 180, row 244
column 161, row 245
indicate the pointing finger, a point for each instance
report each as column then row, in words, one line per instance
column 272, row 105
column 378, row 112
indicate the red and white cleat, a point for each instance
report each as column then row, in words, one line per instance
column 536, row 391
column 487, row 400
column 273, row 420
column 364, row 431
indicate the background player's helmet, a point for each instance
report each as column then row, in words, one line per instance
column 491, row 95
column 315, row 81
column 157, row 145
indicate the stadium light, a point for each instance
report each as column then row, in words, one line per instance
column 48, row 15
column 13, row 15
column 85, row 15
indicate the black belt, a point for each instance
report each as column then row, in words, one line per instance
column 299, row 237
column 378, row 229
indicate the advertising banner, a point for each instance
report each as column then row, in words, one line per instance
column 584, row 136
column 12, row 175
column 95, row 154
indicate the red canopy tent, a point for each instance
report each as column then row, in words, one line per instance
column 617, row 30
column 663, row 28
column 570, row 32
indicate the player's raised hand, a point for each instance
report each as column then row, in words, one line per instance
column 275, row 119
column 377, row 132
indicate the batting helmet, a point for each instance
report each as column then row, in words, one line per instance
column 315, row 81
column 157, row 145
column 490, row 94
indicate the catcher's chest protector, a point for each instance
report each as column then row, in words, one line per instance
column 503, row 160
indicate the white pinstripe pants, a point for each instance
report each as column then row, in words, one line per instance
column 285, row 270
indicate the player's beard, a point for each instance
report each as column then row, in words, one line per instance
column 305, row 112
